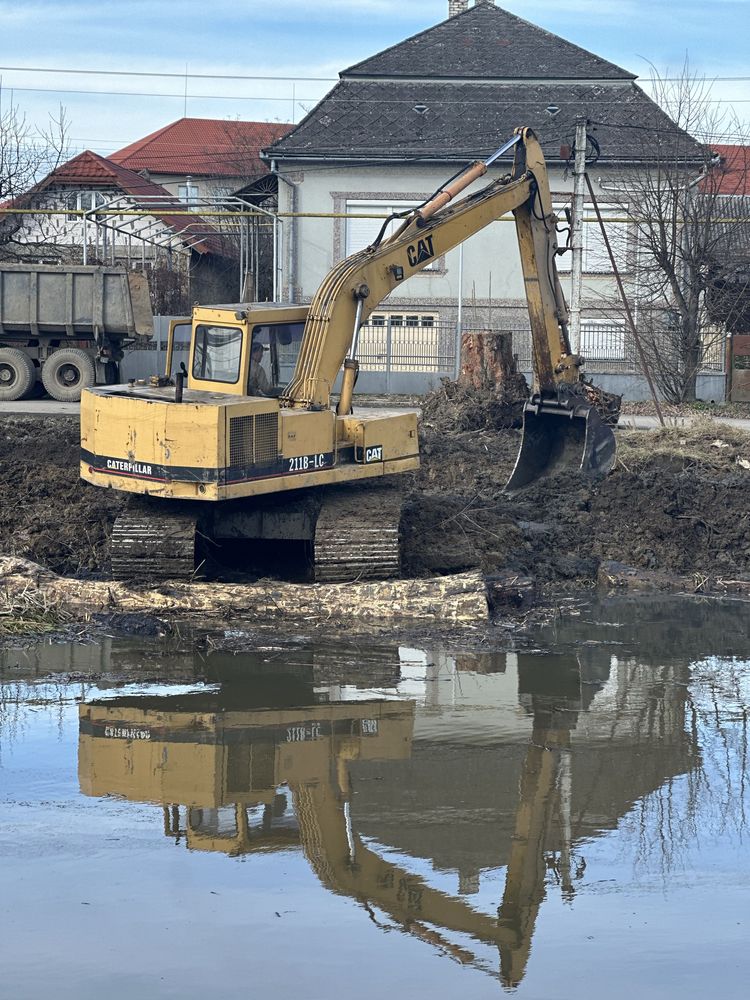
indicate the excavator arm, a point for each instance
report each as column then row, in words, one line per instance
column 561, row 422
column 356, row 286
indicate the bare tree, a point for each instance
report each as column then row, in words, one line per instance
column 27, row 154
column 681, row 202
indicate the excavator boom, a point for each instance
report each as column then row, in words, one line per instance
column 562, row 427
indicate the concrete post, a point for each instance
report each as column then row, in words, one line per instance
column 576, row 236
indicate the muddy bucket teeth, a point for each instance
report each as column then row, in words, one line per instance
column 560, row 434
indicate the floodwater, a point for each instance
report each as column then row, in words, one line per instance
column 315, row 820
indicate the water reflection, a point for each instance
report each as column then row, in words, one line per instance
column 409, row 784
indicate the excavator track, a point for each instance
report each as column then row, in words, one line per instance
column 357, row 537
column 152, row 546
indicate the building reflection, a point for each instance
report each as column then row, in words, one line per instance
column 405, row 785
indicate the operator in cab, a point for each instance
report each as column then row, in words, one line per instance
column 257, row 380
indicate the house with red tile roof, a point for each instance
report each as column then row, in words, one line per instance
column 155, row 201
column 728, row 290
column 93, row 210
column 197, row 158
column 732, row 169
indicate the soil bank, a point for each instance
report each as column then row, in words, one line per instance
column 675, row 503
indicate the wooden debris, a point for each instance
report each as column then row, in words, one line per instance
column 450, row 600
column 510, row 590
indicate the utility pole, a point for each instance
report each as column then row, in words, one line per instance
column 576, row 235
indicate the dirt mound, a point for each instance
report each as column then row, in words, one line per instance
column 47, row 513
column 455, row 407
column 676, row 501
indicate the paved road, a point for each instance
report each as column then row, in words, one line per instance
column 49, row 407
column 629, row 421
column 40, row 407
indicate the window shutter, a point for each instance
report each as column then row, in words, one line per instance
column 361, row 232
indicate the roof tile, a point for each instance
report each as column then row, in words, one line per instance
column 489, row 43
column 734, row 170
column 203, row 147
column 381, row 120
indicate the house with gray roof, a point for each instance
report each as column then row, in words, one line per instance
column 399, row 123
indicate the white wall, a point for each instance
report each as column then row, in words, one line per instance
column 491, row 266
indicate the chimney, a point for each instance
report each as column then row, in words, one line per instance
column 459, row 6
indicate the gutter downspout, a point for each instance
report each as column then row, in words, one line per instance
column 291, row 230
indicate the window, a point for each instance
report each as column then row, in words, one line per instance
column 188, row 193
column 423, row 320
column 595, row 257
column 284, row 341
column 360, row 233
column 82, row 201
column 217, row 353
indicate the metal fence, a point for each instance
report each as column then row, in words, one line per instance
column 610, row 347
column 412, row 359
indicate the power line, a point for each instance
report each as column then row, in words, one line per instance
column 135, row 93
column 173, row 76
column 589, row 103
column 298, row 79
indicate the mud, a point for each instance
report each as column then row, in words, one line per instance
column 456, row 406
column 47, row 514
column 676, row 503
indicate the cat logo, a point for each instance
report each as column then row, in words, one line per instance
column 420, row 251
column 374, row 454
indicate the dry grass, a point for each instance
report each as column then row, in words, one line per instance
column 704, row 442
column 30, row 612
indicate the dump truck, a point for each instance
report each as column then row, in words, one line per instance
column 67, row 326
column 214, row 459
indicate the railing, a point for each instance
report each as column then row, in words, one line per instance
column 611, row 348
column 405, row 358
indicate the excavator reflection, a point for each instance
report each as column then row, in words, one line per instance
column 224, row 763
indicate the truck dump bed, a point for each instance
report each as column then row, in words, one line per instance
column 78, row 301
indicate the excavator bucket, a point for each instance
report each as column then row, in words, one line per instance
column 561, row 433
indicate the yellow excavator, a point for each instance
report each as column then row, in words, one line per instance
column 214, row 462
column 223, row 773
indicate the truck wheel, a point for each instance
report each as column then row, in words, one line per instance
column 17, row 374
column 67, row 372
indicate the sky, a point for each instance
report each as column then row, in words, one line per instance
column 291, row 51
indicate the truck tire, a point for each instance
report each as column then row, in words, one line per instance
column 67, row 372
column 17, row 374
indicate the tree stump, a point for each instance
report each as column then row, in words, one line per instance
column 486, row 360
column 488, row 394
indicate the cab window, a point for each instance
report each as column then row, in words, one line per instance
column 283, row 341
column 218, row 351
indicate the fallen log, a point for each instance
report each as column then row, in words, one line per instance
column 450, row 600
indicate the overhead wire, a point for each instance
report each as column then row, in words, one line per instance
column 361, row 101
column 291, row 78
